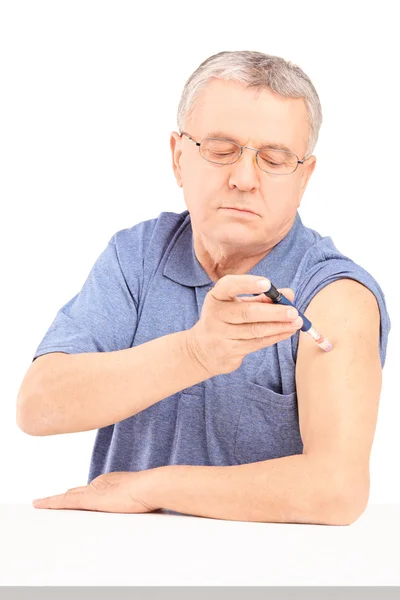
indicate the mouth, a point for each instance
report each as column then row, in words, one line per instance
column 243, row 210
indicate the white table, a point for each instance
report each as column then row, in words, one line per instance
column 72, row 547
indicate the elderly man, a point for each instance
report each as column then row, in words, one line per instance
column 206, row 398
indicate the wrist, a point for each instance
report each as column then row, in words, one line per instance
column 193, row 356
column 154, row 482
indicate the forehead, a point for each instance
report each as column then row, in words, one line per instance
column 249, row 116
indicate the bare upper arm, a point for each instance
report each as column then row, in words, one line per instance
column 50, row 356
column 338, row 392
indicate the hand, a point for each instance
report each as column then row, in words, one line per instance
column 229, row 328
column 117, row 491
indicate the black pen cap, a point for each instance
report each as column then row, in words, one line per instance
column 273, row 293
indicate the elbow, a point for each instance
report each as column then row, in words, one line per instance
column 27, row 417
column 341, row 493
column 341, row 508
column 30, row 406
column 23, row 423
column 353, row 508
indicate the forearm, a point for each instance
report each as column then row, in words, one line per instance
column 291, row 489
column 92, row 390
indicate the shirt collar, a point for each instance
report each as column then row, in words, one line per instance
column 183, row 267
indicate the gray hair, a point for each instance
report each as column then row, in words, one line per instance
column 254, row 69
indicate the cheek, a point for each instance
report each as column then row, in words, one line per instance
column 205, row 186
column 283, row 192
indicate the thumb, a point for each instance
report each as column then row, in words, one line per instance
column 261, row 297
column 288, row 292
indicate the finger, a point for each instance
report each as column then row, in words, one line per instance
column 255, row 298
column 229, row 286
column 76, row 489
column 252, row 345
column 288, row 292
column 71, row 499
column 260, row 329
column 261, row 297
column 254, row 312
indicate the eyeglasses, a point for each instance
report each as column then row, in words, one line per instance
column 270, row 160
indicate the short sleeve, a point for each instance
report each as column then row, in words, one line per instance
column 102, row 317
column 325, row 265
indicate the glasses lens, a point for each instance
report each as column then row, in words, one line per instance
column 219, row 151
column 277, row 161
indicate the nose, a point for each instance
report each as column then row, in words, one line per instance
column 244, row 172
column 254, row 150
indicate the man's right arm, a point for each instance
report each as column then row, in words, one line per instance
column 80, row 392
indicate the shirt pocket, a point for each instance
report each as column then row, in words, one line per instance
column 268, row 425
column 189, row 445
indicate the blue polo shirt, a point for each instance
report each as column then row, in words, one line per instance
column 148, row 283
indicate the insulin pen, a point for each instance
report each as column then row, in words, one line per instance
column 278, row 298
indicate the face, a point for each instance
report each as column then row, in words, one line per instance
column 227, row 240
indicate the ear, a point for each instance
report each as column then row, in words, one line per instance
column 175, row 144
column 308, row 169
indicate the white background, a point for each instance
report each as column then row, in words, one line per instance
column 89, row 96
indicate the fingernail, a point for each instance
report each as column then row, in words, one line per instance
column 292, row 313
column 263, row 284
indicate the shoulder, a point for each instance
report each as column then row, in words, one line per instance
column 322, row 266
column 133, row 243
column 140, row 234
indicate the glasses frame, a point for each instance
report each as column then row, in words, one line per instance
column 257, row 150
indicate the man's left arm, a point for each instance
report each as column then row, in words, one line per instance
column 338, row 396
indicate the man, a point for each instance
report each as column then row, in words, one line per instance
column 208, row 403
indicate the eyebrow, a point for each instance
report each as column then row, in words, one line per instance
column 274, row 145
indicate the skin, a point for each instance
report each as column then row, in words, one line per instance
column 224, row 244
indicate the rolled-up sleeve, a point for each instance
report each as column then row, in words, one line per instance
column 327, row 266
